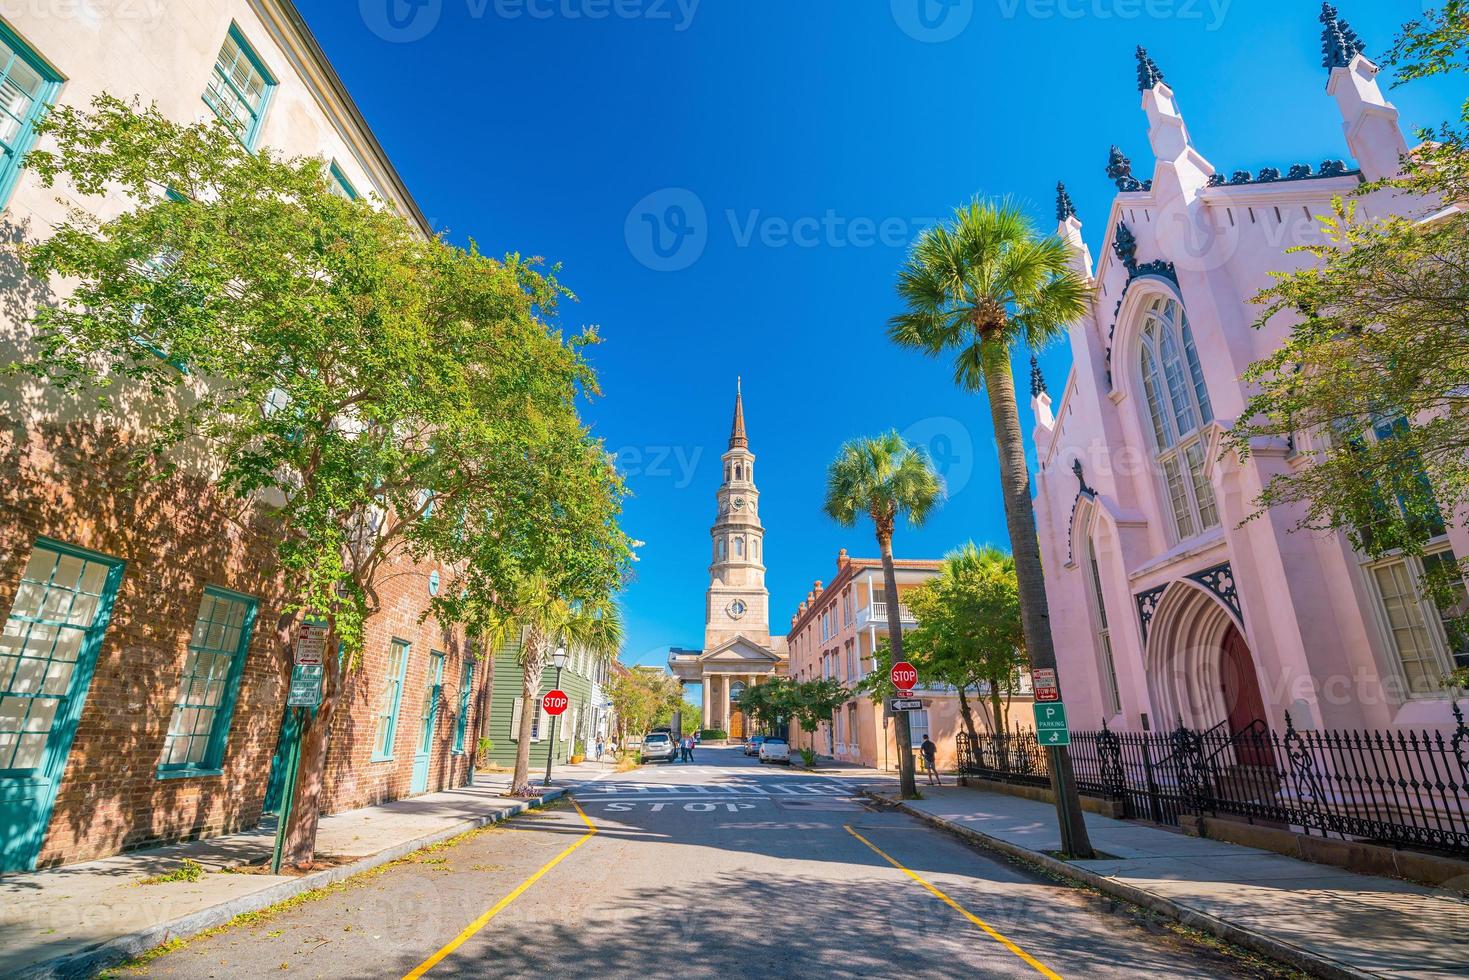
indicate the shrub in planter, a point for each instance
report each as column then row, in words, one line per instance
column 713, row 734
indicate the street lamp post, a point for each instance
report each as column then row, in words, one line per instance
column 558, row 660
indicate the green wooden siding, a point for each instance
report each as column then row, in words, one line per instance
column 507, row 686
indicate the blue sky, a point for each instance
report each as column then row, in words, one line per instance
column 785, row 151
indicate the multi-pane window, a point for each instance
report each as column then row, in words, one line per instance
column 27, row 86
column 391, row 699
column 206, row 700
column 239, row 87
column 1108, row 668
column 1429, row 641
column 60, row 606
column 917, row 727
column 1179, row 409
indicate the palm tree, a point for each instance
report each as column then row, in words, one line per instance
column 977, row 287
column 885, row 478
column 545, row 618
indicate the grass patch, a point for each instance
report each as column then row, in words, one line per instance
column 189, row 870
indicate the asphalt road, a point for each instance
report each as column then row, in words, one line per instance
column 722, row 868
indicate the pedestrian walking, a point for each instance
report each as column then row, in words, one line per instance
column 929, row 751
column 688, row 748
column 601, row 747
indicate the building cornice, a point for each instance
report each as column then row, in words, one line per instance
column 295, row 38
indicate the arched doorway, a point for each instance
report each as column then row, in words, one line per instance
column 1201, row 673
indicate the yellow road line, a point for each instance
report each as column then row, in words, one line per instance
column 1040, row 967
column 503, row 903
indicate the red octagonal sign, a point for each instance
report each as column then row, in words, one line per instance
column 904, row 675
column 555, row 702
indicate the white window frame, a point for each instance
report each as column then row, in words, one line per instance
column 1429, row 620
column 1169, row 403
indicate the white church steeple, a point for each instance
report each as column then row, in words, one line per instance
column 738, row 602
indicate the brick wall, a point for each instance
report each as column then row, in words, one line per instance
column 69, row 482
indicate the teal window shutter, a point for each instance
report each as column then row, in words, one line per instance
column 466, row 687
column 341, row 185
column 27, row 87
column 240, row 87
column 392, row 699
column 200, row 724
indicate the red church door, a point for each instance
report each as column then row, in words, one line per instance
column 1241, row 690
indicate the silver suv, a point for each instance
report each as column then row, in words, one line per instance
column 658, row 747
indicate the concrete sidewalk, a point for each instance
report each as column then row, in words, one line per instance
column 74, row 920
column 1321, row 919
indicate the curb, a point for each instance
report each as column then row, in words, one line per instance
column 113, row 952
column 1309, row 962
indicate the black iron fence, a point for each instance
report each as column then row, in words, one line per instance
column 1402, row 788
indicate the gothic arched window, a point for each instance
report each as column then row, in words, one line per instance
column 722, row 549
column 739, row 471
column 1179, row 409
column 739, row 547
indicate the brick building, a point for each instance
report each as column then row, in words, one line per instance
column 142, row 680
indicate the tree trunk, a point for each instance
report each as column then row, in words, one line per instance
column 968, row 715
column 1034, row 610
column 1000, row 718
column 298, row 849
column 907, row 784
column 530, row 705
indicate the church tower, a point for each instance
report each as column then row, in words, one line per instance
column 738, row 602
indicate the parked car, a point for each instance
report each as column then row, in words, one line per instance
column 752, row 744
column 774, row 749
column 658, row 747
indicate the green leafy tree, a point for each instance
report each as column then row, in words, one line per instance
column 640, row 698
column 768, row 705
column 969, row 632
column 977, row 287
column 812, row 702
column 359, row 388
column 1368, row 388
column 884, row 478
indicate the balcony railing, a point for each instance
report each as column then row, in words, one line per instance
column 876, row 614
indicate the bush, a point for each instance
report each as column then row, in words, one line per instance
column 808, row 758
column 715, row 734
column 485, row 746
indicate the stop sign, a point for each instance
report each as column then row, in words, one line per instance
column 904, row 675
column 555, row 702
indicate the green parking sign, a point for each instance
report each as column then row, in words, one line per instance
column 1050, row 723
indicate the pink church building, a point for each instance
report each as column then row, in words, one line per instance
column 1166, row 607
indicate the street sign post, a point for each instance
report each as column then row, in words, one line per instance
column 903, row 675
column 1043, row 682
column 306, row 680
column 1050, row 724
column 310, row 644
column 555, row 702
column 905, row 704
